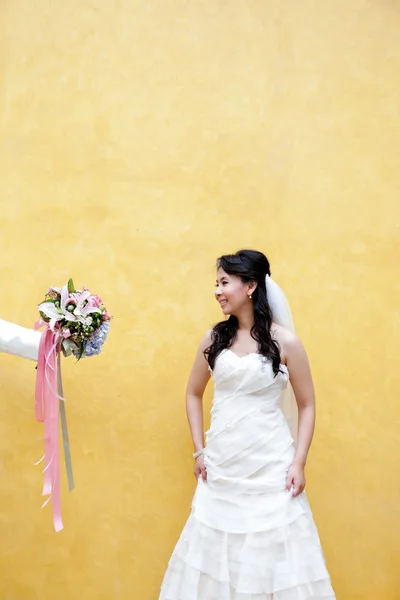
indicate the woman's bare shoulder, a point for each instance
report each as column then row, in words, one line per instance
column 206, row 340
column 287, row 339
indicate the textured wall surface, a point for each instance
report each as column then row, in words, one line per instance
column 138, row 141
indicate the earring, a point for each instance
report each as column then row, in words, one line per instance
column 250, row 296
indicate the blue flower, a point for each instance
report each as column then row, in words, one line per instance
column 94, row 345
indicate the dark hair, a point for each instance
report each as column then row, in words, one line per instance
column 249, row 265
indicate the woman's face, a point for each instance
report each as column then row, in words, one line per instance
column 231, row 293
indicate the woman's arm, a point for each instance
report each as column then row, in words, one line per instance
column 197, row 383
column 19, row 341
column 303, row 387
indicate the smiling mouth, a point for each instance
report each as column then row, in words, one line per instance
column 222, row 303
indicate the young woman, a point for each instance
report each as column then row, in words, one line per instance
column 250, row 534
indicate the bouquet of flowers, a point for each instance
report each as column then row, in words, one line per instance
column 76, row 322
column 80, row 318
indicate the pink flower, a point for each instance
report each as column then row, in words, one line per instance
column 94, row 300
column 73, row 297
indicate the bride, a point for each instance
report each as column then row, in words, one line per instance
column 250, row 534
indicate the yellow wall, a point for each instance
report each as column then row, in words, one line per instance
column 138, row 141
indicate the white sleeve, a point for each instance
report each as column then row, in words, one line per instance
column 19, row 341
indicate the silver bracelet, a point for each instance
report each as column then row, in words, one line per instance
column 198, row 453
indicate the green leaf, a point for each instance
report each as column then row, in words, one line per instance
column 71, row 287
column 81, row 352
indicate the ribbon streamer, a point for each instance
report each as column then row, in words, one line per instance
column 49, row 402
column 64, row 427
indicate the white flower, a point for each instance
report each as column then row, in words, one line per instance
column 80, row 313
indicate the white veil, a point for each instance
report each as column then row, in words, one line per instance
column 282, row 316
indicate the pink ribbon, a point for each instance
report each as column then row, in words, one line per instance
column 46, row 411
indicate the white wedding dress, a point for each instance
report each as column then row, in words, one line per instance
column 247, row 538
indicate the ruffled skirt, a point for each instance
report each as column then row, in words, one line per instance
column 284, row 561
